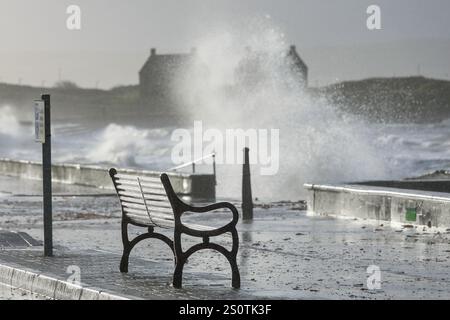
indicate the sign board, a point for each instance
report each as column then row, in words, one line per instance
column 39, row 121
column 411, row 214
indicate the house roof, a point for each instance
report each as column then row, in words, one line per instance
column 166, row 61
column 173, row 62
column 294, row 54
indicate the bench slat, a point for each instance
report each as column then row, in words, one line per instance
column 137, row 198
column 143, row 213
column 131, row 200
column 121, row 176
column 155, row 198
column 152, row 209
column 158, row 201
column 162, row 210
column 154, row 193
column 157, row 207
column 129, row 194
column 165, row 223
column 135, row 206
column 198, row 227
column 146, row 191
column 140, row 219
column 141, row 216
column 136, row 211
column 135, row 184
column 157, row 222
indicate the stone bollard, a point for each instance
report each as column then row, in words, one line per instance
column 247, row 200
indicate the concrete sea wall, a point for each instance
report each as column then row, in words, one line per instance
column 410, row 207
column 198, row 186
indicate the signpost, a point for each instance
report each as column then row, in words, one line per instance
column 43, row 135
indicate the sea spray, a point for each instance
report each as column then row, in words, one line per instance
column 316, row 143
column 129, row 146
column 9, row 124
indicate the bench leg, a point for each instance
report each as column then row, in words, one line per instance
column 179, row 259
column 231, row 256
column 235, row 277
column 124, row 261
column 178, row 274
column 126, row 248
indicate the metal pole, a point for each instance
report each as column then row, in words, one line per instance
column 214, row 169
column 47, row 180
column 247, row 199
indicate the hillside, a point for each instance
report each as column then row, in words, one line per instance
column 72, row 102
column 415, row 99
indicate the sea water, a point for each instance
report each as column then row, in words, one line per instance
column 317, row 142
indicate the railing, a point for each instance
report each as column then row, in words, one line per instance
column 193, row 163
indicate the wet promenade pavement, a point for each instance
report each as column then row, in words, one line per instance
column 284, row 253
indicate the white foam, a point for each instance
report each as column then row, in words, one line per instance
column 9, row 124
column 317, row 144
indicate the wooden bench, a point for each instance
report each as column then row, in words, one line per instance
column 152, row 203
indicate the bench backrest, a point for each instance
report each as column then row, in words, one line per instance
column 143, row 198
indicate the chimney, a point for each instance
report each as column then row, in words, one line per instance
column 293, row 49
column 153, row 52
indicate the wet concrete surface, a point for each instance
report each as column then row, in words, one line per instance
column 11, row 239
column 284, row 253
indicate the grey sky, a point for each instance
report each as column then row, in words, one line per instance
column 116, row 36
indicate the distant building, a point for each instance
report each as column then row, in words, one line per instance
column 159, row 77
column 162, row 74
column 260, row 66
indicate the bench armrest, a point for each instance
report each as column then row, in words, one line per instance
column 215, row 206
column 180, row 207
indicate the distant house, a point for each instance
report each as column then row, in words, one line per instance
column 260, row 66
column 159, row 77
column 162, row 74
